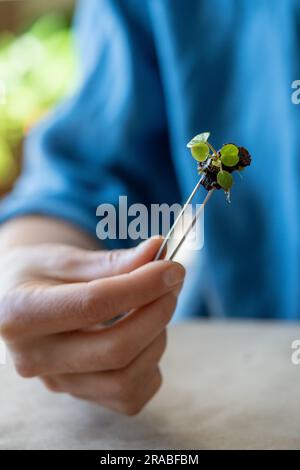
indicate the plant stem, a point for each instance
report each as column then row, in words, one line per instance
column 213, row 150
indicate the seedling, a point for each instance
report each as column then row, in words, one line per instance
column 216, row 167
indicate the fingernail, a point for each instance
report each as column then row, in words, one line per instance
column 174, row 275
column 177, row 291
column 142, row 245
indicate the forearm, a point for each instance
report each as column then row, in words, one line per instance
column 30, row 230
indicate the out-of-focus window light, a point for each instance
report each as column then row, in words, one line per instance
column 37, row 69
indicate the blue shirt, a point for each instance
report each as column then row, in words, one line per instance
column 154, row 74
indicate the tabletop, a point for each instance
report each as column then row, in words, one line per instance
column 227, row 385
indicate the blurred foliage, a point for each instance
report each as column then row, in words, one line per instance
column 37, row 69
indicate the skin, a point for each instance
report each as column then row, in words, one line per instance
column 59, row 293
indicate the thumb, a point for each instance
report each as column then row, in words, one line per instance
column 76, row 265
column 115, row 262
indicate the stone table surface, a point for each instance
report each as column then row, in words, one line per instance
column 227, row 386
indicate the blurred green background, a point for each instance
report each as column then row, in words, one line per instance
column 37, row 69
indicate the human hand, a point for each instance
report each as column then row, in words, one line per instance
column 53, row 299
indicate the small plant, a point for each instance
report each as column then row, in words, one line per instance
column 217, row 166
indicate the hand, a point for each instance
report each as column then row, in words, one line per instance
column 54, row 300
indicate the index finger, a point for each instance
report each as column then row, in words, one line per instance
column 53, row 309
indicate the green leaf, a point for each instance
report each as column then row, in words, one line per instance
column 200, row 151
column 216, row 163
column 225, row 179
column 229, row 155
column 198, row 138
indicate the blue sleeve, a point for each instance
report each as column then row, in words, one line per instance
column 110, row 139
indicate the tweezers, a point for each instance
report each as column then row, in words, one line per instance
column 178, row 218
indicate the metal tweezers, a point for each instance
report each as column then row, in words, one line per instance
column 190, row 226
column 169, row 234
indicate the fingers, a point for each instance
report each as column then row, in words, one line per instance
column 128, row 405
column 112, row 384
column 132, row 404
column 115, row 262
column 126, row 390
column 40, row 310
column 113, row 348
column 71, row 264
